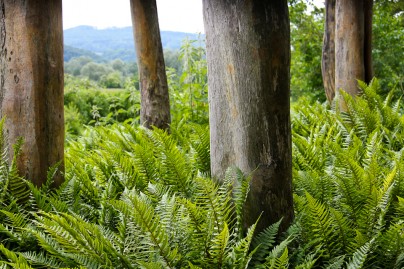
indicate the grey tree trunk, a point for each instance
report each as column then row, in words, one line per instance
column 347, row 47
column 368, row 10
column 352, row 45
column 31, row 95
column 155, row 104
column 328, row 55
column 248, row 54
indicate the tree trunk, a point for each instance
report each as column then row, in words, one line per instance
column 368, row 10
column 248, row 54
column 352, row 45
column 155, row 104
column 31, row 96
column 328, row 55
column 347, row 48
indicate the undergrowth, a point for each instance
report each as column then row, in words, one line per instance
column 138, row 198
column 133, row 198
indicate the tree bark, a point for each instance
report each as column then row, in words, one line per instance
column 347, row 47
column 31, row 96
column 155, row 104
column 328, row 55
column 248, row 54
column 368, row 10
column 352, row 45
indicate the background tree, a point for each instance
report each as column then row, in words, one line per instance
column 74, row 65
column 155, row 105
column 94, row 71
column 307, row 29
column 388, row 40
column 248, row 54
column 352, row 44
column 31, row 96
column 328, row 54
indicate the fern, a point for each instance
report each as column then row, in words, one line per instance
column 16, row 261
column 219, row 248
column 336, row 263
column 359, row 257
column 241, row 251
column 200, row 142
column 143, row 214
column 264, row 241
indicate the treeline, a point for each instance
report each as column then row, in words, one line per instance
column 113, row 74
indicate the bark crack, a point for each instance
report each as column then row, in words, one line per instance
column 3, row 54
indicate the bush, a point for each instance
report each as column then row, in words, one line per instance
column 99, row 106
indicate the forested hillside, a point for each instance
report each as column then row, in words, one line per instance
column 113, row 43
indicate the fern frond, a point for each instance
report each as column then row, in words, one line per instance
column 150, row 265
column 16, row 260
column 336, row 263
column 200, row 142
column 241, row 255
column 216, row 200
column 322, row 226
column 175, row 167
column 391, row 246
column 144, row 215
column 264, row 241
column 240, row 186
column 219, row 247
column 281, row 262
column 359, row 257
column 16, row 184
column 41, row 259
column 309, row 262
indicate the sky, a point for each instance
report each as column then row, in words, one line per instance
column 174, row 15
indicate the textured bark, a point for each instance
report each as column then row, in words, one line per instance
column 348, row 36
column 155, row 105
column 31, row 95
column 368, row 10
column 328, row 55
column 248, row 54
column 352, row 45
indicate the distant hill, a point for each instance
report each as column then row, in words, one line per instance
column 111, row 43
column 72, row 52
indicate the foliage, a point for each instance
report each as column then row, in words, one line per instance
column 138, row 198
column 388, row 37
column 307, row 30
column 85, row 103
column 94, row 71
column 133, row 198
column 189, row 91
column 348, row 180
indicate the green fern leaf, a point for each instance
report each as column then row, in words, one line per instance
column 281, row 262
column 240, row 253
column 144, row 215
column 264, row 241
column 336, row 263
column 359, row 257
column 219, row 247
